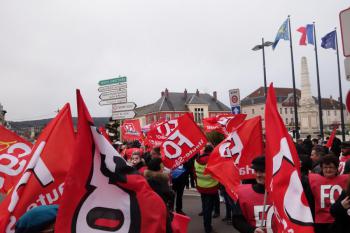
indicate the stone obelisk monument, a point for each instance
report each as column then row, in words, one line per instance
column 308, row 108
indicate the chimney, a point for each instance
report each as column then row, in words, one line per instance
column 185, row 94
column 162, row 93
column 197, row 93
column 215, row 97
column 166, row 93
column 331, row 97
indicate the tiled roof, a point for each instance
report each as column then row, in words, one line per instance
column 176, row 102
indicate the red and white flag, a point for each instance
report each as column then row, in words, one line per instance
column 183, row 139
column 43, row 178
column 223, row 123
column 102, row 193
column 15, row 152
column 283, row 175
column 131, row 130
column 231, row 160
column 331, row 138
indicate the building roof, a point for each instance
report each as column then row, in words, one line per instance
column 258, row 96
column 178, row 102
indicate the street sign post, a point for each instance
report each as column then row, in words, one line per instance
column 123, row 107
column 113, row 101
column 112, row 81
column 113, row 87
column 235, row 101
column 344, row 17
column 112, row 95
column 123, row 115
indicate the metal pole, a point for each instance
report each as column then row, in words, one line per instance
column 264, row 207
column 294, row 89
column 340, row 90
column 264, row 67
column 318, row 86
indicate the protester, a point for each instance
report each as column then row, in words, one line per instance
column 246, row 215
column 340, row 210
column 345, row 155
column 307, row 144
column 179, row 180
column 317, row 153
column 207, row 187
column 336, row 146
column 38, row 220
column 137, row 162
column 326, row 188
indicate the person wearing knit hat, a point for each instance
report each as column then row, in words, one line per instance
column 38, row 220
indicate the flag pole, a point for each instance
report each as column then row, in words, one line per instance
column 264, row 66
column 294, row 89
column 318, row 85
column 263, row 213
column 340, row 90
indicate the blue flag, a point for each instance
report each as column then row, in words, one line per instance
column 328, row 41
column 283, row 33
column 310, row 33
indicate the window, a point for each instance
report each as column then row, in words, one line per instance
column 286, row 121
column 280, row 110
column 253, row 112
column 285, row 110
column 167, row 117
column 291, row 110
column 328, row 113
column 262, row 108
column 335, row 112
column 198, row 115
column 292, row 120
column 176, row 115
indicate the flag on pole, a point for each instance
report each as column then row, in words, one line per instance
column 328, row 41
column 283, row 33
column 15, row 152
column 331, row 138
column 283, row 175
column 102, row 193
column 43, row 178
column 307, row 33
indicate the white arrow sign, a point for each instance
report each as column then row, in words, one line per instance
column 113, row 101
column 123, row 107
column 123, row 115
column 113, row 87
column 111, row 95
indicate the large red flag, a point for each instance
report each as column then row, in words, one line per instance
column 231, row 159
column 282, row 174
column 43, row 179
column 182, row 142
column 102, row 193
column 131, row 130
column 331, row 138
column 15, row 152
column 223, row 123
column 180, row 223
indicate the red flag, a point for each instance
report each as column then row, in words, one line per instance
column 224, row 123
column 180, row 223
column 182, row 142
column 43, row 179
column 231, row 159
column 282, row 174
column 302, row 40
column 104, row 133
column 102, row 193
column 131, row 130
column 15, row 152
column 331, row 138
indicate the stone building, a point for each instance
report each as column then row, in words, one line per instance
column 174, row 104
column 254, row 104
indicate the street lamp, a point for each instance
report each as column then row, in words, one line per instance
column 262, row 46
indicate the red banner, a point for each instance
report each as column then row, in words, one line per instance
column 331, row 138
column 159, row 131
column 282, row 174
column 42, row 180
column 223, row 123
column 102, row 193
column 183, row 140
column 131, row 130
column 15, row 152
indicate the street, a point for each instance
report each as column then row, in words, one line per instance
column 192, row 206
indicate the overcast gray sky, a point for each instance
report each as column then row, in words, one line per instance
column 50, row 48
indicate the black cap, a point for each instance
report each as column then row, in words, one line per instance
column 345, row 144
column 258, row 163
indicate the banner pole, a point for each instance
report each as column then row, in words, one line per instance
column 264, row 207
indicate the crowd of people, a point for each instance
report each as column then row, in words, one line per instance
column 323, row 175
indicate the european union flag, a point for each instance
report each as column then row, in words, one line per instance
column 283, row 33
column 328, row 41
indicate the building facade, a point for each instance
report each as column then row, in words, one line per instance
column 308, row 116
column 174, row 104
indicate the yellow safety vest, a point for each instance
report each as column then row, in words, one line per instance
column 204, row 181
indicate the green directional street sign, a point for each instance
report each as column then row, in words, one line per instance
column 112, row 81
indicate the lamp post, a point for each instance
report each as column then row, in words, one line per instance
column 262, row 46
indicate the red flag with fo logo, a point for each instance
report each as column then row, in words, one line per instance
column 183, row 140
column 15, row 152
column 43, row 178
column 223, row 123
column 282, row 174
column 131, row 130
column 102, row 193
column 231, row 160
